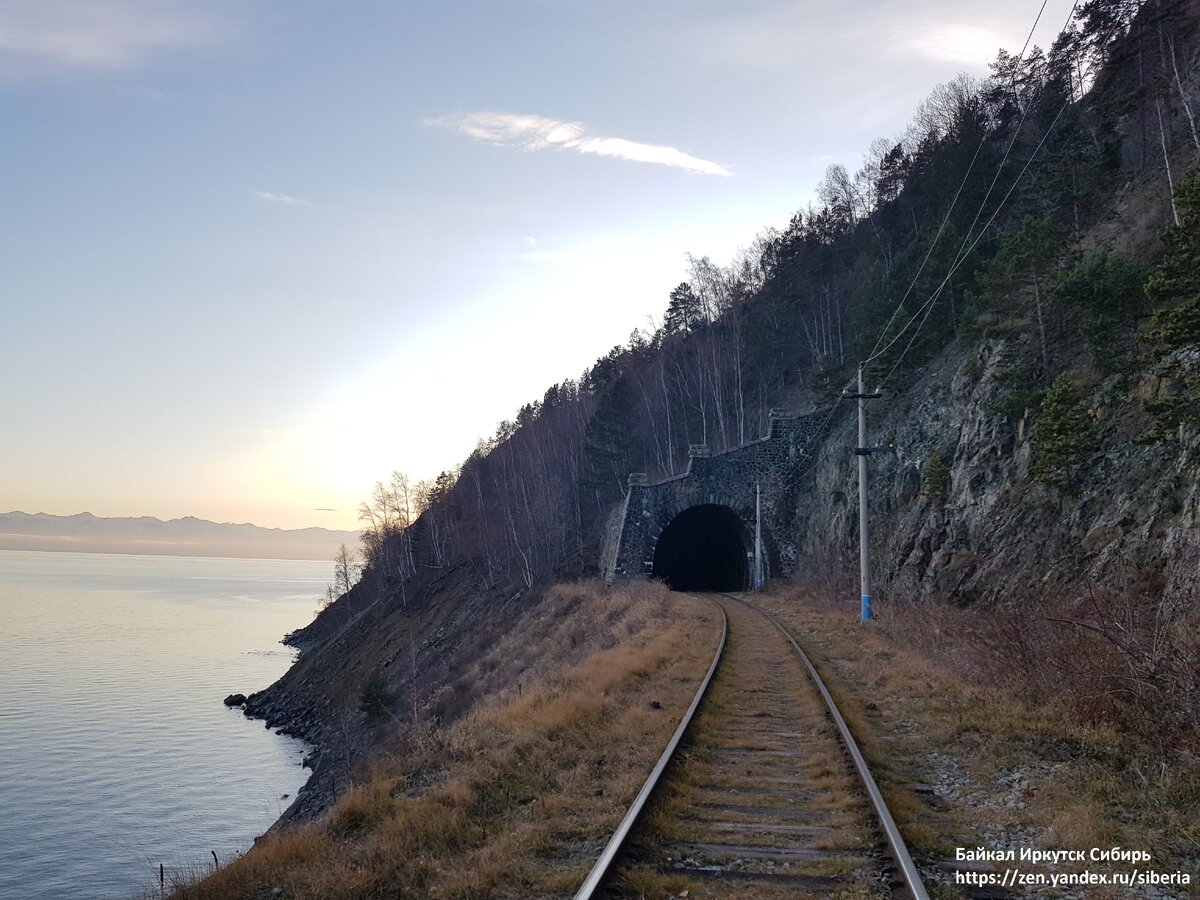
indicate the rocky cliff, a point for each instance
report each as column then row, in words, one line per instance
column 993, row 535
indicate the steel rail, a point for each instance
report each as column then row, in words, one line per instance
column 604, row 863
column 908, row 871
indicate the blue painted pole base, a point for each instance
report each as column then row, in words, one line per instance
column 866, row 607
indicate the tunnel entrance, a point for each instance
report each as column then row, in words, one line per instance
column 703, row 549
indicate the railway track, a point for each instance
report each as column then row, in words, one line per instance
column 770, row 798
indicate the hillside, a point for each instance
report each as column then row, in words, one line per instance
column 1019, row 272
column 189, row 536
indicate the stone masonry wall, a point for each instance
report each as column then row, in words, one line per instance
column 778, row 464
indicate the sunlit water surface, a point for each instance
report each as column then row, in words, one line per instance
column 116, row 753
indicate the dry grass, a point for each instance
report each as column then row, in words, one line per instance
column 1126, row 657
column 758, row 678
column 516, row 798
column 1010, row 766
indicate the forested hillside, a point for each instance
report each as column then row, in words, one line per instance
column 1025, row 207
column 1018, row 270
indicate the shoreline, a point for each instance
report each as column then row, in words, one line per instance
column 111, row 665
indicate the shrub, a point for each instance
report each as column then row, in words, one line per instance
column 374, row 699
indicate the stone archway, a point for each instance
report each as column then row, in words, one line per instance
column 704, row 547
column 758, row 483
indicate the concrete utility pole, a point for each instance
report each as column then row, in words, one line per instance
column 862, row 452
column 758, row 566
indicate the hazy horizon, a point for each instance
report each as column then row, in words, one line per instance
column 151, row 536
column 88, row 512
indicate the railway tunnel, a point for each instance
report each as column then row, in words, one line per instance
column 704, row 548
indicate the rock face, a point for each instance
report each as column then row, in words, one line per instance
column 996, row 535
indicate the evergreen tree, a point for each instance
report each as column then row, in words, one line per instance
column 608, row 438
column 374, row 698
column 684, row 310
column 1175, row 334
column 1028, row 248
column 1110, row 289
column 935, row 479
column 1063, row 435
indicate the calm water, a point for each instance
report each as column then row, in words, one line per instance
column 116, row 753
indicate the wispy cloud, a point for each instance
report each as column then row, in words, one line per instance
column 529, row 132
column 47, row 36
column 268, row 197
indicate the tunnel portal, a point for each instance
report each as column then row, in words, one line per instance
column 704, row 548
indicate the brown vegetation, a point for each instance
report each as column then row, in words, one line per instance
column 517, row 797
column 1125, row 656
column 764, row 774
column 983, row 728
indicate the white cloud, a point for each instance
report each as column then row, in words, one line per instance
column 529, row 132
column 268, row 197
column 831, row 47
column 964, row 45
column 46, row 36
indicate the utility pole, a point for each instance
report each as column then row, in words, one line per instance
column 862, row 452
column 758, row 566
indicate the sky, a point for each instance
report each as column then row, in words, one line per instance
column 255, row 255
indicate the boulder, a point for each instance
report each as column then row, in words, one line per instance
column 235, row 700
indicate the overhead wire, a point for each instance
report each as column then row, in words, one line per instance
column 925, row 309
column 931, row 302
column 797, row 477
column 876, row 351
column 923, row 312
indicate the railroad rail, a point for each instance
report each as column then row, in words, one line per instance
column 605, row 863
column 767, row 779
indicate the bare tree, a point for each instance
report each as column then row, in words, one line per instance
column 1162, row 135
column 346, row 570
column 1183, row 94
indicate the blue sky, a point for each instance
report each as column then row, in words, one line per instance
column 256, row 255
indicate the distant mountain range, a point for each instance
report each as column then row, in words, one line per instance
column 189, row 536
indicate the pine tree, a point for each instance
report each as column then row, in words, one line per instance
column 1175, row 334
column 374, row 698
column 935, row 479
column 1063, row 436
column 1111, row 291
column 684, row 310
column 608, row 439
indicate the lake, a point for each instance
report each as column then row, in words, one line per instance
column 116, row 752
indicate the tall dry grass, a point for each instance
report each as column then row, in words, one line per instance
column 516, row 797
column 1092, row 696
column 1123, row 656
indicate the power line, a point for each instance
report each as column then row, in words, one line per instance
column 921, row 315
column 924, row 311
column 954, row 201
column 928, row 305
column 926, row 308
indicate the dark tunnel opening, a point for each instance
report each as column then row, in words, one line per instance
column 703, row 549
